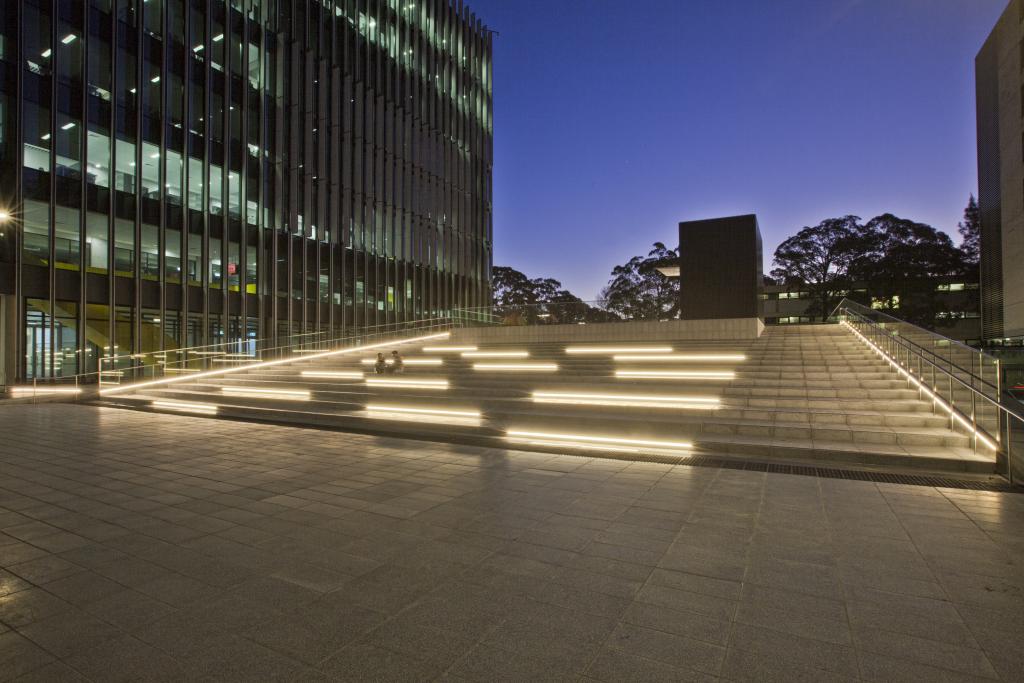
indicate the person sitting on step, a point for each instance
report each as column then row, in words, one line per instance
column 397, row 364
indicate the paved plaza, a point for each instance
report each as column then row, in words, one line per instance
column 139, row 546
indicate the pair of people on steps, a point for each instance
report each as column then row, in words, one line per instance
column 397, row 366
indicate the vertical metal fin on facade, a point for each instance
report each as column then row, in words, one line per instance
column 359, row 130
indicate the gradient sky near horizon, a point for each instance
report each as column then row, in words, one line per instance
column 616, row 119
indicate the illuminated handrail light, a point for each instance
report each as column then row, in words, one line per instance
column 255, row 392
column 676, row 374
column 408, row 383
column 173, row 371
column 512, row 367
column 628, row 400
column 612, row 350
column 378, row 408
column 247, row 359
column 202, row 408
column 496, row 354
column 407, row 361
column 45, row 390
column 448, row 349
column 331, row 374
column 924, row 389
column 598, row 440
column 272, row 363
column 683, row 357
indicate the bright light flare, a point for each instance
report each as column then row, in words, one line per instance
column 252, row 392
column 677, row 374
column 441, row 384
column 612, row 350
column 596, row 441
column 201, row 408
column 628, row 400
column 379, row 408
column 496, row 354
column 513, row 367
column 683, row 358
column 32, row 391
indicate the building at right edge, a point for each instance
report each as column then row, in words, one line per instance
column 1000, row 102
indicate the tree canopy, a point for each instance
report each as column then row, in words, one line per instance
column 970, row 234
column 900, row 259
column 819, row 258
column 639, row 291
column 519, row 299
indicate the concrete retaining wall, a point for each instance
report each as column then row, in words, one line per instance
column 697, row 330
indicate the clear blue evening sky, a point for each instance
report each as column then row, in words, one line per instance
column 616, row 119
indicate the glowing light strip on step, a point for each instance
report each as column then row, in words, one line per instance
column 581, row 446
column 628, row 400
column 378, row 408
column 252, row 392
column 677, row 374
column 408, row 383
column 597, row 440
column 407, row 361
column 512, row 367
column 683, row 358
column 202, row 408
column 330, row 374
column 271, row 363
column 448, row 349
column 612, row 350
column 928, row 392
column 496, row 354
column 31, row 391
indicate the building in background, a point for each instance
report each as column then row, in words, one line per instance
column 184, row 172
column 954, row 301
column 1000, row 106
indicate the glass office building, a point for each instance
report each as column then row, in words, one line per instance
column 176, row 173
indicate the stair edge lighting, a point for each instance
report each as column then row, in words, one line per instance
column 529, row 367
column 598, row 440
column 611, row 350
column 271, row 363
column 928, row 392
column 203, row 408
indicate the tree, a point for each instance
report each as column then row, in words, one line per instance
column 970, row 234
column 901, row 260
column 519, row 300
column 511, row 288
column 638, row 291
column 819, row 258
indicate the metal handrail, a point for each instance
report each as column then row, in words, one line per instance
column 917, row 362
column 868, row 313
column 95, row 377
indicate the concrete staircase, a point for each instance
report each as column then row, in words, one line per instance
column 811, row 393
